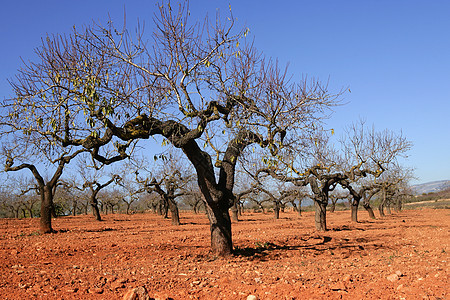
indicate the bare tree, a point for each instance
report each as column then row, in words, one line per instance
column 377, row 152
column 335, row 197
column 200, row 83
column 194, row 200
column 171, row 180
column 45, row 188
column 111, row 199
column 363, row 153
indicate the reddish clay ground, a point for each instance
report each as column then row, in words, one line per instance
column 278, row 259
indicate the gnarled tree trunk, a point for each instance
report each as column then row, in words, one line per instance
column 354, row 208
column 174, row 212
column 320, row 218
column 46, row 209
column 220, row 227
column 95, row 210
column 369, row 209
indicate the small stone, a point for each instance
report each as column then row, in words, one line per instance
column 392, row 277
column 257, row 280
column 252, row 297
column 139, row 293
column 122, row 280
column 95, row 290
column 117, row 285
column 338, row 286
column 24, row 286
column 74, row 290
column 346, row 278
column 399, row 273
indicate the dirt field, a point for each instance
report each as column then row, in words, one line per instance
column 403, row 256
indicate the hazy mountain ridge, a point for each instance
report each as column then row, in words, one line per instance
column 431, row 187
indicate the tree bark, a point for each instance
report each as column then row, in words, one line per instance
column 165, row 208
column 354, row 208
column 220, row 227
column 276, row 210
column 235, row 212
column 369, row 209
column 30, row 212
column 333, row 206
column 95, row 210
column 381, row 209
column 174, row 212
column 381, row 205
column 398, row 204
column 300, row 208
column 74, row 208
column 320, row 215
column 216, row 197
column 46, row 210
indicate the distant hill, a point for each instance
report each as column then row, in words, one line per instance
column 431, row 187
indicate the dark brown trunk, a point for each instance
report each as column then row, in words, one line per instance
column 46, row 210
column 165, row 207
column 217, row 197
column 95, row 210
column 53, row 210
column 381, row 205
column 381, row 209
column 276, row 211
column 174, row 212
column 320, row 215
column 333, row 206
column 220, row 226
column 74, row 212
column 369, row 209
column 300, row 208
column 354, row 208
column 294, row 206
column 160, row 208
column 398, row 204
column 234, row 212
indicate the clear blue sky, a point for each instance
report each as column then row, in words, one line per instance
column 393, row 55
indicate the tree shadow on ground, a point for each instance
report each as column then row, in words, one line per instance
column 269, row 250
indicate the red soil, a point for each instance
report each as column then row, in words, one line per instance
column 276, row 259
